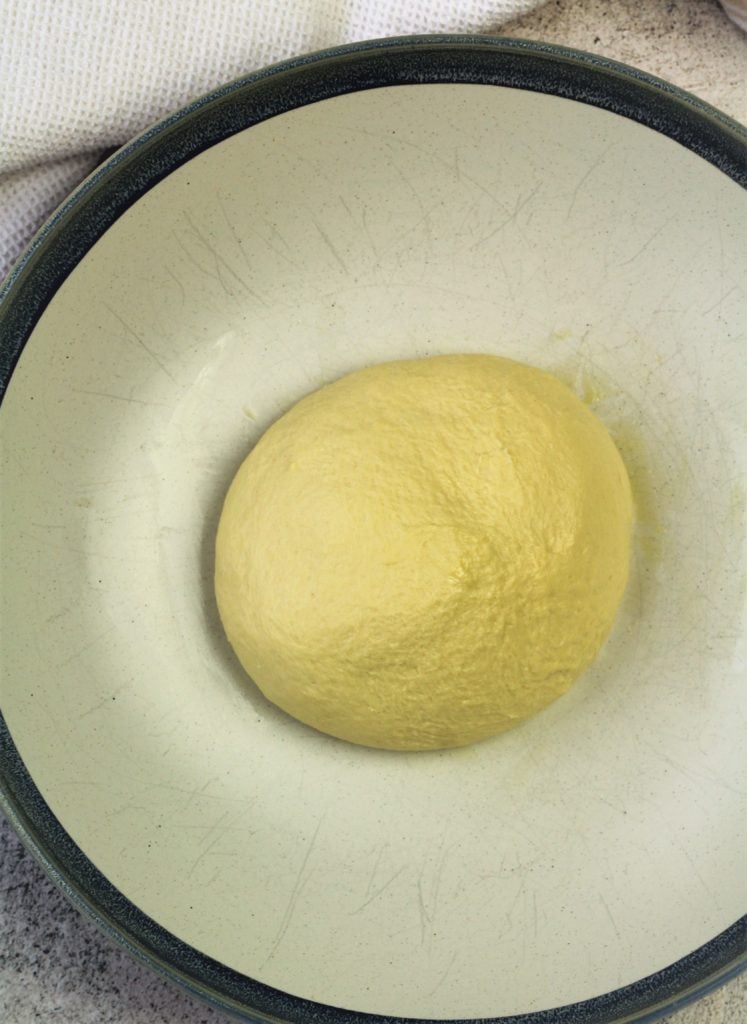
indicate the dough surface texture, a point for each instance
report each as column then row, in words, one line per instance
column 425, row 553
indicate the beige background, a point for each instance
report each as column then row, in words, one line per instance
column 53, row 964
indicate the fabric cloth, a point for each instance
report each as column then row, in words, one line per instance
column 80, row 77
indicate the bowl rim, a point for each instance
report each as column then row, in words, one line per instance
column 94, row 206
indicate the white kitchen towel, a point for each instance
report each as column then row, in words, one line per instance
column 78, row 77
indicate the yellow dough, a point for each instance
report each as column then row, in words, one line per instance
column 425, row 553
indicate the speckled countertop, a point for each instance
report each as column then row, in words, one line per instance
column 54, row 964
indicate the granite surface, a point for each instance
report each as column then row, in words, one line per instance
column 54, row 964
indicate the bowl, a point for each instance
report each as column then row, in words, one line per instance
column 398, row 198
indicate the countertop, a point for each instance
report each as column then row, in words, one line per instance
column 54, row 964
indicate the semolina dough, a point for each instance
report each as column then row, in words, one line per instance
column 425, row 553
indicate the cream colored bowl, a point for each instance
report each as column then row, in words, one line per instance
column 390, row 200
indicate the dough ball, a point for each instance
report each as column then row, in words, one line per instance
column 425, row 553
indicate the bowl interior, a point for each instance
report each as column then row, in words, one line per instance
column 592, row 846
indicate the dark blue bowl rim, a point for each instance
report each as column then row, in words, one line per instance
column 69, row 234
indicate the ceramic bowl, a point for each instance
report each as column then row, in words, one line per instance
column 393, row 199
